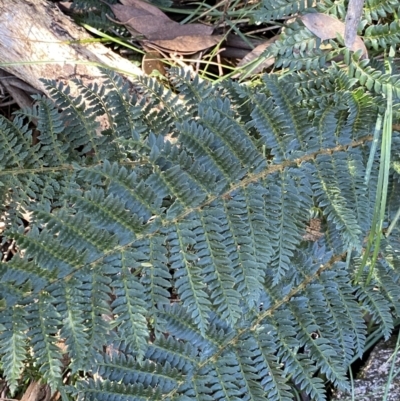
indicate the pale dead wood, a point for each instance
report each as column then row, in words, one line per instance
column 36, row 392
column 35, row 42
column 353, row 17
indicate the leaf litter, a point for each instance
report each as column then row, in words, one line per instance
column 160, row 31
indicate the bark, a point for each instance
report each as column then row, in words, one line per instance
column 35, row 42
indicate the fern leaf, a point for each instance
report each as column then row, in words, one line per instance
column 111, row 391
column 253, row 252
column 188, row 275
column 280, row 8
column 79, row 120
column 70, row 303
column 376, row 9
column 13, row 345
column 378, row 307
column 298, row 48
column 372, row 78
column 129, row 306
column 127, row 370
column 381, row 36
column 178, row 268
column 95, row 289
column 262, row 351
column 44, row 320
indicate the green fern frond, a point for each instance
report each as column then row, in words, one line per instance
column 275, row 10
column 381, row 36
column 335, row 8
column 43, row 321
column 372, row 78
column 377, row 9
column 179, row 259
column 13, row 349
column 298, row 48
column 378, row 307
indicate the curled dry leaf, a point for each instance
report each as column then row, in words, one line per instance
column 143, row 18
column 327, row 27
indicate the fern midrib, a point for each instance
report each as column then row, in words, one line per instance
column 243, row 183
column 258, row 320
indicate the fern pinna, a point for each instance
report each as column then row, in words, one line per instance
column 170, row 253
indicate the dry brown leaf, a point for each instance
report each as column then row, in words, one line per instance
column 140, row 16
column 172, row 30
column 186, row 44
column 151, row 61
column 125, row 13
column 327, row 27
column 145, row 19
column 149, row 8
column 256, row 52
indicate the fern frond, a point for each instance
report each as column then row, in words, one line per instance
column 345, row 313
column 80, row 125
column 327, row 190
column 44, row 320
column 70, row 303
column 21, row 277
column 178, row 267
column 297, row 48
column 381, row 36
column 129, row 307
column 378, row 307
column 275, row 10
column 112, row 391
column 337, row 8
column 95, row 289
column 377, row 9
column 13, row 344
column 192, row 91
column 372, row 78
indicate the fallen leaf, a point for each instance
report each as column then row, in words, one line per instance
column 255, row 53
column 174, row 30
column 186, row 44
column 326, row 27
column 139, row 15
column 151, row 61
column 139, row 18
column 149, row 8
column 125, row 14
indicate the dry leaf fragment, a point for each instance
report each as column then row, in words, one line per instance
column 256, row 52
column 186, row 44
column 327, row 27
column 152, row 61
column 174, row 30
column 143, row 18
column 139, row 15
column 147, row 7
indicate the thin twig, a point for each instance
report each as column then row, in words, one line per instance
column 353, row 18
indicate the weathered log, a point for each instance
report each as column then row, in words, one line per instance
column 38, row 41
